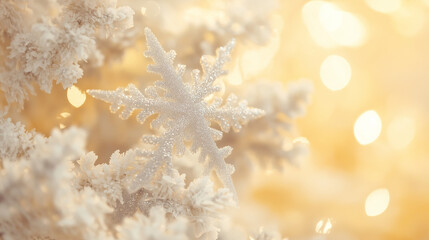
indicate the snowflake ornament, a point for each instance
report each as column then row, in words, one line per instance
column 184, row 113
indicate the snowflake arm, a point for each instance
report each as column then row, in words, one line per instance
column 232, row 114
column 131, row 98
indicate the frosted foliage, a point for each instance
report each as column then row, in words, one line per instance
column 184, row 113
column 269, row 140
column 15, row 141
column 198, row 27
column 198, row 202
column 155, row 227
column 248, row 20
column 52, row 49
column 267, row 235
column 282, row 107
column 34, row 190
column 107, row 179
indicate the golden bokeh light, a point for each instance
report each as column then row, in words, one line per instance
column 301, row 140
column 377, row 202
column 384, row 6
column 150, row 9
column 329, row 26
column 351, row 33
column 324, row 226
column 254, row 60
column 401, row 131
column 311, row 17
column 409, row 20
column 330, row 16
column 367, row 127
column 335, row 72
column 75, row 97
column 235, row 76
column 65, row 114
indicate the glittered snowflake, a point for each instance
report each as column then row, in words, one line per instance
column 184, row 113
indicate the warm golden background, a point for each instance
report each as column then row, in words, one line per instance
column 367, row 174
column 383, row 45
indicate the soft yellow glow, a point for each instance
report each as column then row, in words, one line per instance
column 310, row 15
column 377, row 202
column 235, row 77
column 330, row 17
column 44, row 188
column 329, row 26
column 351, row 33
column 65, row 114
column 384, row 6
column 324, row 226
column 150, row 9
column 335, row 72
column 143, row 10
column 256, row 59
column 269, row 171
column 367, row 127
column 409, row 20
column 62, row 126
column 75, row 96
column 302, row 140
column 401, row 131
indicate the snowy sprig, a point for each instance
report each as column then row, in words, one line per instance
column 271, row 139
column 52, row 49
column 36, row 187
column 155, row 226
column 109, row 180
column 198, row 202
column 183, row 113
column 15, row 141
column 264, row 234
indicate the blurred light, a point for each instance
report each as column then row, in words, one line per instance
column 384, row 6
column 254, row 60
column 401, row 131
column 62, row 126
column 269, row 171
column 324, row 226
column 75, row 96
column 330, row 17
column 311, row 17
column 150, row 9
column 377, row 202
column 235, row 76
column 65, row 114
column 367, row 127
column 301, row 140
column 44, row 188
column 335, row 72
column 409, row 20
column 329, row 26
column 351, row 33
